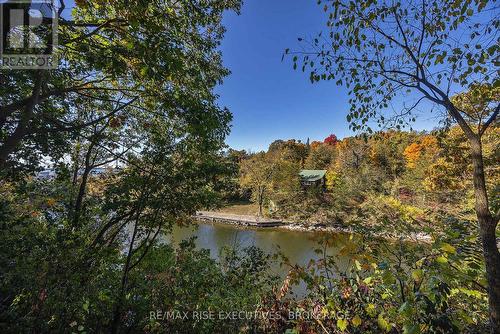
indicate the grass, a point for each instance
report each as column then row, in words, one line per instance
column 243, row 208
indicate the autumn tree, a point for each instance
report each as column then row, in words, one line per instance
column 386, row 151
column 425, row 147
column 354, row 169
column 440, row 177
column 419, row 154
column 320, row 156
column 285, row 184
column 351, row 153
column 134, row 86
column 291, row 149
column 449, row 176
column 431, row 50
column 134, row 57
column 314, row 144
column 331, row 140
column 256, row 173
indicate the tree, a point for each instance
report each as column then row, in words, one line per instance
column 148, row 57
column 432, row 49
column 320, row 156
column 351, row 153
column 314, row 144
column 256, row 173
column 425, row 148
column 134, row 87
column 228, row 185
column 285, row 186
column 386, row 151
column 331, row 140
column 276, row 145
column 291, row 149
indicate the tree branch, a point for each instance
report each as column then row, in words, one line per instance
column 490, row 120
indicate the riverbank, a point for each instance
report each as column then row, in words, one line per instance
column 249, row 221
column 237, row 219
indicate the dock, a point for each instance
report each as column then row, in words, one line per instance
column 241, row 220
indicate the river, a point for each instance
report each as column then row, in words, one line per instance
column 297, row 246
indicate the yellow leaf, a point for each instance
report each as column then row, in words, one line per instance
column 417, row 275
column 448, row 248
column 441, row 259
column 356, row 321
column 358, row 265
column 342, row 324
column 370, row 309
column 383, row 324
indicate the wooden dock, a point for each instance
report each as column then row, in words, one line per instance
column 241, row 220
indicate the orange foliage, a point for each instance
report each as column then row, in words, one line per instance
column 427, row 145
column 344, row 143
column 430, row 144
column 411, row 153
column 315, row 144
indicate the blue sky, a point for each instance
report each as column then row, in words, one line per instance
column 268, row 99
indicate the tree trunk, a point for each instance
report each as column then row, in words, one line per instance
column 12, row 141
column 83, row 185
column 487, row 227
column 80, row 196
column 261, row 201
column 260, row 208
column 115, row 324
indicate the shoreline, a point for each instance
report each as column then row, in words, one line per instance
column 254, row 223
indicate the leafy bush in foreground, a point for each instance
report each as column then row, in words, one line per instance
column 392, row 287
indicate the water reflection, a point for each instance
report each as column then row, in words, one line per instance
column 297, row 246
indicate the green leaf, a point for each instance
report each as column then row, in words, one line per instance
column 441, row 260
column 388, row 277
column 448, row 248
column 342, row 324
column 411, row 329
column 472, row 293
column 405, row 309
column 383, row 324
column 331, row 304
column 86, row 306
column 417, row 275
column 370, row 309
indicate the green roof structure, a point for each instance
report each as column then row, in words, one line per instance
column 312, row 175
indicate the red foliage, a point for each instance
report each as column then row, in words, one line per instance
column 331, row 140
